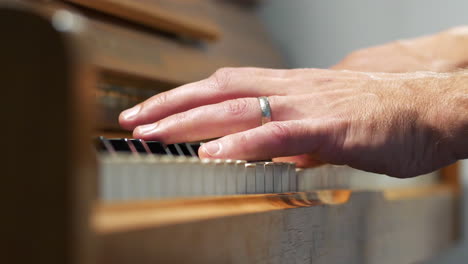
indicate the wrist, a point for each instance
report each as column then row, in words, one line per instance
column 448, row 113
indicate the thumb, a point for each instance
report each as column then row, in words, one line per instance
column 274, row 139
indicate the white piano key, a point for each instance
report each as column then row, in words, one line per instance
column 220, row 177
column 301, row 186
column 260, row 177
column 285, row 177
column 292, row 178
column 277, row 174
column 139, row 180
column 167, row 182
column 269, row 167
column 146, row 167
column 241, row 177
column 197, row 177
column 118, row 174
column 182, row 177
column 126, row 177
column 231, row 179
column 106, row 180
column 250, row 177
column 155, row 174
column 208, row 177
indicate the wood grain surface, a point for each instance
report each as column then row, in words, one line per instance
column 321, row 227
column 183, row 17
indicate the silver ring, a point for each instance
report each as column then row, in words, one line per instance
column 265, row 108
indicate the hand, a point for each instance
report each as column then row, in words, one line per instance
column 397, row 124
column 443, row 52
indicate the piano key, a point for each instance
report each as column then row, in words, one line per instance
column 208, row 177
column 184, row 149
column 147, row 177
column 260, row 177
column 139, row 178
column 107, row 172
column 175, row 150
column 231, row 179
column 285, row 177
column 197, row 176
column 141, row 146
column 157, row 147
column 301, row 184
column 163, row 176
column 292, row 178
column 99, row 144
column 192, row 148
column 156, row 172
column 131, row 146
column 269, row 167
column 128, row 182
column 241, row 181
column 183, row 176
column 250, row 169
column 169, row 176
column 277, row 175
column 220, row 177
column 119, row 144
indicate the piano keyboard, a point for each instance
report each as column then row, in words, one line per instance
column 132, row 169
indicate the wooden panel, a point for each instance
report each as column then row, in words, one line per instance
column 127, row 56
column 451, row 175
column 48, row 170
column 322, row 227
column 184, row 17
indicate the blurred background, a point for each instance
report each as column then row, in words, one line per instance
column 321, row 33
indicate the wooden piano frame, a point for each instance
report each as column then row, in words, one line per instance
column 51, row 213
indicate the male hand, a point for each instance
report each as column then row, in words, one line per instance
column 398, row 124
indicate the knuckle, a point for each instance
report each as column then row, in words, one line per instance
column 222, row 77
column 279, row 131
column 237, row 106
column 243, row 140
column 322, row 80
column 160, row 99
column 180, row 118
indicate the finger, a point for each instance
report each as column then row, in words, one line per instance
column 275, row 139
column 211, row 121
column 225, row 84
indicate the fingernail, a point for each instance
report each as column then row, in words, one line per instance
column 212, row 148
column 143, row 130
column 131, row 113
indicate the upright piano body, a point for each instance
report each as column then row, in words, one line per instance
column 60, row 57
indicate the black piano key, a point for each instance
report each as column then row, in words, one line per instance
column 141, row 146
column 131, row 146
column 194, row 148
column 175, row 150
column 145, row 146
column 149, row 147
column 119, row 145
column 157, row 147
column 185, row 150
column 99, row 144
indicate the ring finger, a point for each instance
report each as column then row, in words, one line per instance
column 211, row 121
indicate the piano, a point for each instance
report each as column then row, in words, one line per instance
column 79, row 190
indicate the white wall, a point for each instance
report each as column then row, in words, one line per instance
column 318, row 33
